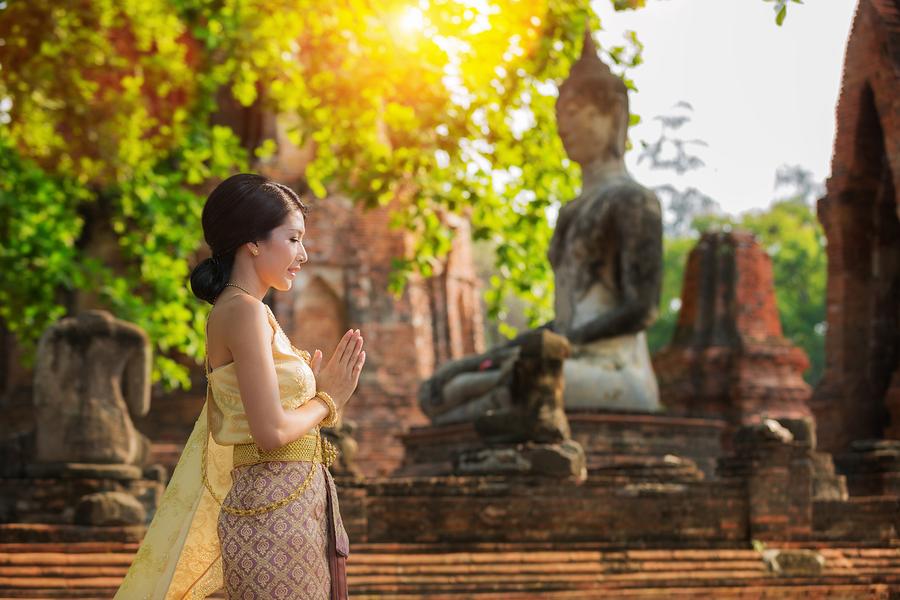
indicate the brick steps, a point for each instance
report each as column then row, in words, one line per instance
column 845, row 592
column 95, row 569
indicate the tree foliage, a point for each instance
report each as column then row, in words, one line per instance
column 109, row 130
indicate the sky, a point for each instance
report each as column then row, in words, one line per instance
column 762, row 95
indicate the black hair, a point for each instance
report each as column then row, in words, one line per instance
column 244, row 208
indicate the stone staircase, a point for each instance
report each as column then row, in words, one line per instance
column 497, row 571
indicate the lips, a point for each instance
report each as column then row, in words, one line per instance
column 294, row 270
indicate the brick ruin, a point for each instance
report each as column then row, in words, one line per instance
column 859, row 396
column 728, row 358
column 857, row 403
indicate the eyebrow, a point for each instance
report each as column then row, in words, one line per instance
column 301, row 232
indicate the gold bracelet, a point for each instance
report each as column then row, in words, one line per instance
column 331, row 419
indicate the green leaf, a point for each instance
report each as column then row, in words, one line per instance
column 779, row 17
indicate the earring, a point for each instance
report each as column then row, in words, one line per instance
column 255, row 252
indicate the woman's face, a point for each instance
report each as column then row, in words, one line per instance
column 281, row 255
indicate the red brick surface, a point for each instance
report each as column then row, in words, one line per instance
column 859, row 214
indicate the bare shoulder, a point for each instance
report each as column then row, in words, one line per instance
column 242, row 319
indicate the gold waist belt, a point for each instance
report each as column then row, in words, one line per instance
column 308, row 448
column 311, row 448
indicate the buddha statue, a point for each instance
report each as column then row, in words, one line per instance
column 606, row 254
column 92, row 376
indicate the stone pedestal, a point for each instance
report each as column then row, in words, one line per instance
column 618, row 447
column 564, row 460
column 492, row 509
column 631, row 442
column 82, row 494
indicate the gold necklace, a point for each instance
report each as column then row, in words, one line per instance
column 239, row 287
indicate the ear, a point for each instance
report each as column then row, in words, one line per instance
column 253, row 247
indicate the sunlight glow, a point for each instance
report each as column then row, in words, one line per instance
column 412, row 20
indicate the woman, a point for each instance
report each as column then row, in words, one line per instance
column 251, row 506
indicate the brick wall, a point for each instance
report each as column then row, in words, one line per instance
column 859, row 396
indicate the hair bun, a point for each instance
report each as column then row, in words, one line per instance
column 208, row 278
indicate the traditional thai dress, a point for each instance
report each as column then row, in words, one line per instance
column 256, row 524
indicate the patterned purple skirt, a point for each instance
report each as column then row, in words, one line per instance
column 283, row 553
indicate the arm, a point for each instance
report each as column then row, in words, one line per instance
column 559, row 231
column 249, row 337
column 639, row 272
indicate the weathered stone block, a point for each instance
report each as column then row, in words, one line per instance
column 794, row 563
column 108, row 509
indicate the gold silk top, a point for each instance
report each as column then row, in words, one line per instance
column 179, row 557
column 296, row 386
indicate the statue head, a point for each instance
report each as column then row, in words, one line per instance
column 592, row 109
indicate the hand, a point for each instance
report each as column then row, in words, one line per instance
column 339, row 377
column 575, row 335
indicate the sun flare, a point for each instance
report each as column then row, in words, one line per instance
column 412, row 20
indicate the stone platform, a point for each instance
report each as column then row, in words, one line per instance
column 486, row 509
column 645, row 524
column 637, row 444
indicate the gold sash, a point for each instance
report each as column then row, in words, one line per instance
column 179, row 557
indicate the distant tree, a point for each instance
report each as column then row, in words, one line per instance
column 681, row 207
column 800, row 183
column 672, row 153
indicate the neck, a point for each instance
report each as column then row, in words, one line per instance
column 600, row 170
column 244, row 275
